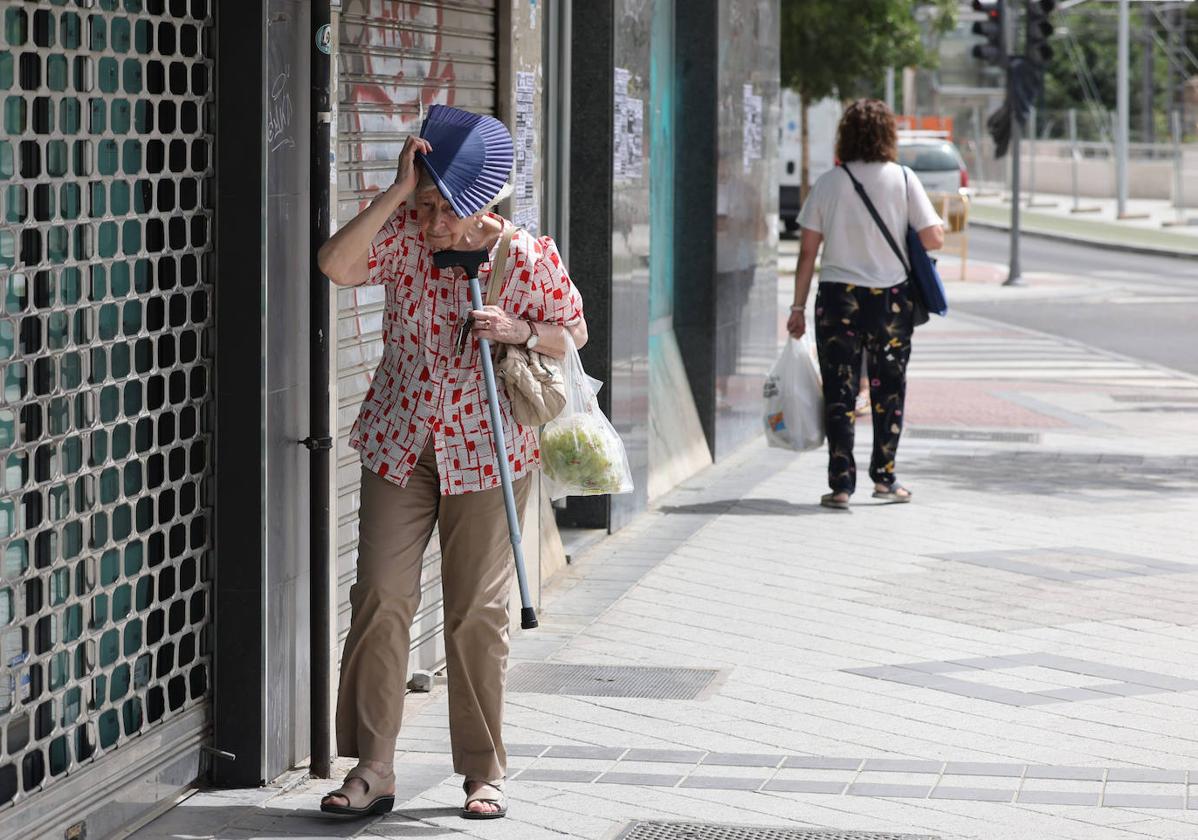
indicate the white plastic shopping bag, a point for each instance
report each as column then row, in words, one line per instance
column 581, row 452
column 794, row 399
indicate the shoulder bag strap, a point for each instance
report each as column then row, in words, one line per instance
column 907, row 194
column 504, row 248
column 873, row 211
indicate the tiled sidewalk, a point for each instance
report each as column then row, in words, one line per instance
column 1011, row 656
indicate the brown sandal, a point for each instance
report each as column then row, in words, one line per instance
column 488, row 792
column 896, row 494
column 362, row 804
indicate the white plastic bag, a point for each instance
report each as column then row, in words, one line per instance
column 581, row 452
column 794, row 399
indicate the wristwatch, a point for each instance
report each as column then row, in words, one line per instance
column 533, row 338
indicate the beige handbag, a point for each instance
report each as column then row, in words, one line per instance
column 534, row 381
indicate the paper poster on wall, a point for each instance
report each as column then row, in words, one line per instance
column 528, row 218
column 527, row 214
column 752, row 128
column 628, row 125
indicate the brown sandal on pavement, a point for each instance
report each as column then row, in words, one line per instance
column 490, row 793
column 362, row 804
column 896, row 494
column 829, row 500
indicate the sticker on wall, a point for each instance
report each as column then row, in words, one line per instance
column 527, row 214
column 532, row 14
column 628, row 124
column 752, row 128
column 324, row 39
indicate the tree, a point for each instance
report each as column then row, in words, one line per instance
column 1083, row 68
column 841, row 48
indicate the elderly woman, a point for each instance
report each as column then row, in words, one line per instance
column 864, row 303
column 428, row 458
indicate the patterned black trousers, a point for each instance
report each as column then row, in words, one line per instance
column 851, row 321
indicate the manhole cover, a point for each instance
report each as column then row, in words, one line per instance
column 708, row 831
column 973, row 435
column 610, row 680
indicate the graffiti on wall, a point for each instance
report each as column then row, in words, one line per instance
column 394, row 64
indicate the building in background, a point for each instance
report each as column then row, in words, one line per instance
column 156, row 596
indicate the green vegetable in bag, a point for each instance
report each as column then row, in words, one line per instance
column 578, row 453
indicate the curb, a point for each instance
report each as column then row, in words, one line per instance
column 1147, row 250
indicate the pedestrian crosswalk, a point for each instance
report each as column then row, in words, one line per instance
column 1027, row 357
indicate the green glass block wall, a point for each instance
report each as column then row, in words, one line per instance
column 105, row 370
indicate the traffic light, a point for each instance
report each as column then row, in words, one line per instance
column 994, row 50
column 1039, row 30
column 1024, row 86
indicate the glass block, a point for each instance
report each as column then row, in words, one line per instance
column 105, row 370
column 70, row 112
column 131, row 157
column 97, row 33
column 15, row 115
column 122, row 602
column 43, row 28
column 72, row 537
column 133, row 76
column 70, row 204
column 16, row 559
column 57, row 75
column 109, row 728
column 70, row 30
column 121, row 35
column 121, row 116
column 60, row 756
column 144, row 37
column 16, row 26
column 108, row 75
column 84, row 73
column 71, row 705
column 131, row 713
column 107, row 158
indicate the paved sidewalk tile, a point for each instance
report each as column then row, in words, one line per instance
column 645, row 779
column 805, row 786
column 742, row 760
column 973, row 794
column 722, row 783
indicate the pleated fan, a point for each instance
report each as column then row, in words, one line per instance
column 471, row 156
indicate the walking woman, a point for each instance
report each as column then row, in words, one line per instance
column 863, row 306
column 427, row 452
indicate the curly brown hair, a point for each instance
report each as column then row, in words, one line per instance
column 867, row 133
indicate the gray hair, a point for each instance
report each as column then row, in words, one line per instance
column 425, row 182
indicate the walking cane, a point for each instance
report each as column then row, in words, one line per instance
column 469, row 261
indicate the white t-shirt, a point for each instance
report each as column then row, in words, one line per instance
column 855, row 251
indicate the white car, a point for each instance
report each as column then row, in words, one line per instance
column 936, row 162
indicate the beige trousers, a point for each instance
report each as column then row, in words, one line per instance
column 395, row 525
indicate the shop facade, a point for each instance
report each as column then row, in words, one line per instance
column 160, row 622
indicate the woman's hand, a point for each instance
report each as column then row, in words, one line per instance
column 796, row 324
column 405, row 170
column 495, row 325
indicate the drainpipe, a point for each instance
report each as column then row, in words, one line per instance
column 320, row 441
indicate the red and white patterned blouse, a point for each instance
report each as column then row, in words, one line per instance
column 422, row 386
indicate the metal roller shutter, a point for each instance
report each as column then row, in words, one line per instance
column 105, row 431
column 395, row 60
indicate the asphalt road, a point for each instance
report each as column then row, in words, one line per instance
column 1163, row 329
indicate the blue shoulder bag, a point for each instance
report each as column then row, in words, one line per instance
column 925, row 280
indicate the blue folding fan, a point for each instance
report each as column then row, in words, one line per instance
column 471, row 156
